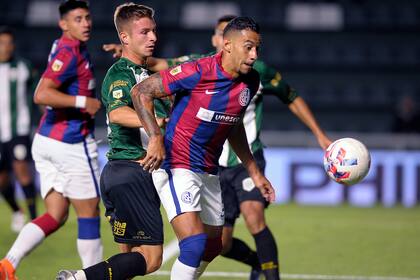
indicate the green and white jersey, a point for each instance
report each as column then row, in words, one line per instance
column 271, row 83
column 16, row 86
column 125, row 142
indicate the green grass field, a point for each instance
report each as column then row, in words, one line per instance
column 312, row 241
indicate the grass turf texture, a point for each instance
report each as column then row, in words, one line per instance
column 312, row 240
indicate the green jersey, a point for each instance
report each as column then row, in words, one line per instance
column 17, row 81
column 125, row 142
column 271, row 83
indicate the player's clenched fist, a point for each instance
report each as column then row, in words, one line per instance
column 92, row 105
column 155, row 154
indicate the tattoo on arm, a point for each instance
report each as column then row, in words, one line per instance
column 142, row 95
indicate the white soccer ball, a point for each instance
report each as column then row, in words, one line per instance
column 347, row 161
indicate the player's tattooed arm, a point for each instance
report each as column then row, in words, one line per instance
column 142, row 96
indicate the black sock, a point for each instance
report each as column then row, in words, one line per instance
column 30, row 195
column 267, row 254
column 242, row 253
column 8, row 193
column 119, row 267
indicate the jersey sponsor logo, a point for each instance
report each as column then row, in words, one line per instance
column 244, row 97
column 186, row 197
column 217, row 117
column 175, row 71
column 210, row 92
column 57, row 65
column 117, row 94
column 119, row 228
column 118, row 83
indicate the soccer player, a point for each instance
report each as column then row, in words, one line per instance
column 17, row 79
column 211, row 96
column 131, row 201
column 239, row 194
column 64, row 149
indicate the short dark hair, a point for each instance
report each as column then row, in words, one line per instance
column 241, row 23
column 7, row 30
column 70, row 5
column 128, row 11
column 225, row 18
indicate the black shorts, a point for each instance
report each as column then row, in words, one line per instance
column 238, row 187
column 132, row 204
column 18, row 148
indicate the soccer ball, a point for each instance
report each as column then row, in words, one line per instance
column 347, row 161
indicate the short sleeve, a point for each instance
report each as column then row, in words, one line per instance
column 274, row 84
column 183, row 77
column 117, row 93
column 62, row 66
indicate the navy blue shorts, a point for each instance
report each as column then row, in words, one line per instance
column 132, row 204
column 238, row 187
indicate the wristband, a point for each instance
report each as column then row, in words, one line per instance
column 80, row 102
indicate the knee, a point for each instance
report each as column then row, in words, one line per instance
column 192, row 249
column 213, row 248
column 254, row 219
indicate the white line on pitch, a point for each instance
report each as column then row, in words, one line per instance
column 296, row 276
column 170, row 250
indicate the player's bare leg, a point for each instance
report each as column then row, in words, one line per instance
column 253, row 212
column 37, row 230
column 89, row 243
column 23, row 175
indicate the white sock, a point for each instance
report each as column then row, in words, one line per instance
column 182, row 271
column 201, row 269
column 90, row 251
column 80, row 275
column 28, row 239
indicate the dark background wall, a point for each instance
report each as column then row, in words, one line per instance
column 353, row 72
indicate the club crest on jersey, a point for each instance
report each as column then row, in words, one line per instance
column 175, row 71
column 56, row 66
column 117, row 94
column 244, row 97
column 186, row 197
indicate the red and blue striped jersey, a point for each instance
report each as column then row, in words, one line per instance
column 208, row 103
column 69, row 66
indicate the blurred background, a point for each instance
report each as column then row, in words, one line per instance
column 355, row 62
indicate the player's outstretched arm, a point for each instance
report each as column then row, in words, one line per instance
column 143, row 95
column 116, row 49
column 47, row 94
column 304, row 113
column 239, row 143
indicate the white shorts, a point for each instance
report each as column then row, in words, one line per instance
column 182, row 190
column 70, row 169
